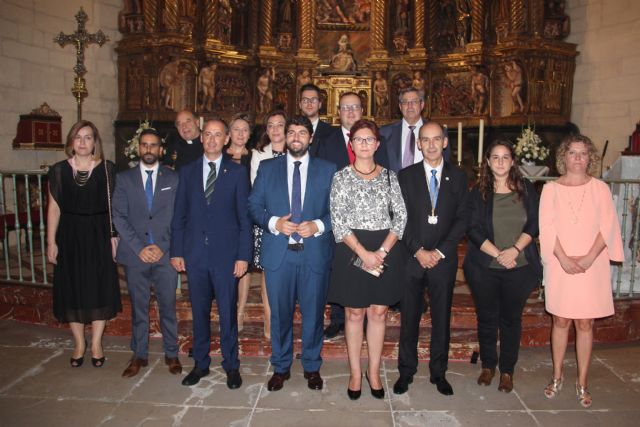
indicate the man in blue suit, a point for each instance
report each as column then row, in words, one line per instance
column 290, row 201
column 142, row 210
column 211, row 240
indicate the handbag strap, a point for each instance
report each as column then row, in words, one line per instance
column 106, row 172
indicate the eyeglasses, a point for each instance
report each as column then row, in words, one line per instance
column 370, row 140
column 309, row 101
column 352, row 107
column 435, row 139
column 411, row 102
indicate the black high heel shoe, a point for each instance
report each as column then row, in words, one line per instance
column 76, row 363
column 379, row 393
column 355, row 394
column 98, row 362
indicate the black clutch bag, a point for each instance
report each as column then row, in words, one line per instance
column 356, row 261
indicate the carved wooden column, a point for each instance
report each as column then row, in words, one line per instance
column 266, row 47
column 477, row 20
column 170, row 15
column 418, row 52
column 378, row 24
column 306, row 32
column 537, row 17
column 431, row 25
column 517, row 17
column 254, row 11
column 150, row 10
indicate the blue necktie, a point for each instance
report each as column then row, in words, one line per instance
column 211, row 182
column 296, row 199
column 433, row 188
column 148, row 191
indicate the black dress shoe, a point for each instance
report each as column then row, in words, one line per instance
column 402, row 384
column 442, row 385
column 194, row 376
column 333, row 330
column 377, row 393
column 234, row 380
column 314, row 380
column 277, row 380
column 354, row 394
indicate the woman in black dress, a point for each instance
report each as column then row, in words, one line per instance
column 368, row 216
column 85, row 278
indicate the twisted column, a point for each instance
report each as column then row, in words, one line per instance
column 150, row 9
column 418, row 24
column 517, row 17
column 431, row 25
column 267, row 22
column 477, row 20
column 378, row 21
column 307, row 28
column 170, row 15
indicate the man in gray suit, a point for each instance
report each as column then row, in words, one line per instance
column 142, row 211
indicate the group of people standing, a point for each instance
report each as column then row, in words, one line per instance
column 360, row 217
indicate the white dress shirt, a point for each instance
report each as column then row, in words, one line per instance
column 206, row 169
column 145, row 175
column 417, row 154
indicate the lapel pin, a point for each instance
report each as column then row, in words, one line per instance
column 446, row 178
column 224, row 170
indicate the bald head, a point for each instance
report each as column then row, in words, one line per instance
column 187, row 125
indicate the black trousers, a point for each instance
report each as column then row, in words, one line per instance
column 439, row 282
column 500, row 297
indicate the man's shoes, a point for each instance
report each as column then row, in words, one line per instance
column 194, row 376
column 175, row 367
column 277, row 380
column 314, row 380
column 134, row 367
column 234, row 380
column 442, row 385
column 402, row 384
column 486, row 376
column 333, row 330
column 506, row 383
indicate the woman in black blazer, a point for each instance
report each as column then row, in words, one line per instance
column 502, row 265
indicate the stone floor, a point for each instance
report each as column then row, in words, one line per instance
column 38, row 388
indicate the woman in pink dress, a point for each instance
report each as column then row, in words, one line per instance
column 579, row 234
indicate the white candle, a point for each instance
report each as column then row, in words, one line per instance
column 480, row 141
column 201, row 122
column 459, row 142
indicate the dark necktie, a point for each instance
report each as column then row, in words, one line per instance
column 148, row 191
column 296, row 199
column 211, row 182
column 409, row 149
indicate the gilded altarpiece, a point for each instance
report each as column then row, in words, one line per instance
column 503, row 61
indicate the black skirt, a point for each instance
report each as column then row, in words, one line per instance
column 352, row 287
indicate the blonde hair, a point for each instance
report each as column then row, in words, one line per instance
column 594, row 158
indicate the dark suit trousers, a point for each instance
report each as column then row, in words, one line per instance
column 164, row 279
column 205, row 281
column 500, row 297
column 295, row 280
column 439, row 282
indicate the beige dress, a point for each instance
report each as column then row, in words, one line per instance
column 575, row 215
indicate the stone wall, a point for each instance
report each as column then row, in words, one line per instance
column 606, row 93
column 34, row 69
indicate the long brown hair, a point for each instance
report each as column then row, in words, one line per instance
column 486, row 182
column 264, row 138
column 98, row 152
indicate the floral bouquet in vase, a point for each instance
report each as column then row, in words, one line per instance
column 529, row 147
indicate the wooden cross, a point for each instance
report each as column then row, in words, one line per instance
column 81, row 38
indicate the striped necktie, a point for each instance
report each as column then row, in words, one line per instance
column 211, row 182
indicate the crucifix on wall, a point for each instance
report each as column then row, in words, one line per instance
column 81, row 38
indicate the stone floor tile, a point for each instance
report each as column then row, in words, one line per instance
column 462, row 417
column 320, row 418
column 51, row 412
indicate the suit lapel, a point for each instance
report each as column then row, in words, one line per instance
column 309, row 184
column 397, row 147
column 423, row 189
column 283, row 182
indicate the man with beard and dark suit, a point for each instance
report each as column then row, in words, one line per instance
column 142, row 210
column 435, row 195
column 310, row 105
column 211, row 240
column 185, row 147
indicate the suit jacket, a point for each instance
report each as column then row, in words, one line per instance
column 451, row 209
column 392, row 135
column 334, row 149
column 481, row 229
column 217, row 233
column 270, row 197
column 132, row 218
column 322, row 131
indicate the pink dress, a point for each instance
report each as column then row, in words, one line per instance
column 575, row 215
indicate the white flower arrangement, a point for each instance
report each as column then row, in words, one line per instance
column 131, row 149
column 529, row 146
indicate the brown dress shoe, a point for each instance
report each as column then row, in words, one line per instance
column 314, row 380
column 277, row 380
column 486, row 376
column 134, row 367
column 506, row 383
column 175, row 367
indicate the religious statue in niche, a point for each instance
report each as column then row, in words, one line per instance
column 285, row 16
column 177, row 81
column 207, row 83
column 463, row 22
column 479, row 91
column 222, row 31
column 401, row 26
column 381, row 94
column 282, row 84
column 452, row 95
column 343, row 60
column 514, row 82
column 186, row 16
column 304, row 78
column 418, row 81
column 265, row 92
column 343, row 11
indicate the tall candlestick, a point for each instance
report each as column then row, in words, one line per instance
column 201, row 123
column 480, row 141
column 459, row 143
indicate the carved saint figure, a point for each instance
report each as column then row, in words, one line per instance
column 264, row 86
column 304, row 78
column 381, row 93
column 514, row 75
column 418, row 81
column 173, row 83
column 343, row 60
column 479, row 90
column 207, row 82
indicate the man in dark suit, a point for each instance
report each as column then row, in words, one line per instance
column 435, row 194
column 336, row 149
column 142, row 210
column 401, row 136
column 310, row 105
column 185, row 147
column 211, row 239
column 290, row 201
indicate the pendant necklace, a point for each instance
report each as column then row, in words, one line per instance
column 575, row 212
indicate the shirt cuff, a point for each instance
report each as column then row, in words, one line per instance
column 440, row 253
column 320, row 226
column 272, row 225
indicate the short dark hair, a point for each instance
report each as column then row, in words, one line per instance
column 299, row 121
column 264, row 138
column 150, row 131
column 309, row 86
column 364, row 124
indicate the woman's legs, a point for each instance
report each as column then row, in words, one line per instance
column 265, row 307
column 243, row 294
column 77, row 329
column 584, row 345
column 97, row 329
column 354, row 320
column 559, row 339
column 376, row 324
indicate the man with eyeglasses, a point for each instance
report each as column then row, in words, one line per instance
column 143, row 224
column 336, row 149
column 435, row 194
column 310, row 105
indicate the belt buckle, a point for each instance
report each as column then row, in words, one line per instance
column 295, row 246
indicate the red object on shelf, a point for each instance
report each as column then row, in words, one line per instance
column 42, row 128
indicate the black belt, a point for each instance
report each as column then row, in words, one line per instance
column 295, row 246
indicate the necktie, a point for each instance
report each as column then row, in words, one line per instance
column 433, row 188
column 296, row 199
column 148, row 191
column 352, row 155
column 409, row 148
column 211, row 182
